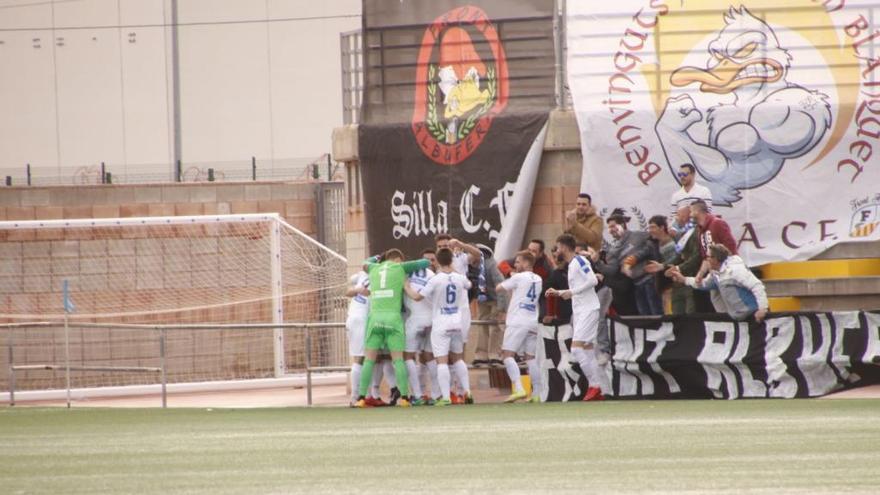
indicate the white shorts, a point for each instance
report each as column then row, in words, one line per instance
column 418, row 334
column 585, row 326
column 445, row 341
column 356, row 328
column 521, row 338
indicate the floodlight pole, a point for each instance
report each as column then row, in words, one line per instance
column 277, row 294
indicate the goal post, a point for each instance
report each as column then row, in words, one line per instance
column 247, row 269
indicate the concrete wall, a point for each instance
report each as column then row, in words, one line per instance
column 91, row 81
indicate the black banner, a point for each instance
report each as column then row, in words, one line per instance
column 710, row 356
column 456, row 93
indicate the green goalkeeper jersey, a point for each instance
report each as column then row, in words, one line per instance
column 386, row 283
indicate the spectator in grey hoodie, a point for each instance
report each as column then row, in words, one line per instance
column 735, row 290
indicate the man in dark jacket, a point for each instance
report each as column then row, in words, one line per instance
column 625, row 244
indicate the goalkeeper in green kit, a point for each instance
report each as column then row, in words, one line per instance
column 385, row 324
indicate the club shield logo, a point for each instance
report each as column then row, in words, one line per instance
column 461, row 85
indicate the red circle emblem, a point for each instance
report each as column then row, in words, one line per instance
column 457, row 92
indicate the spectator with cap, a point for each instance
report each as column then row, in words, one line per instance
column 584, row 224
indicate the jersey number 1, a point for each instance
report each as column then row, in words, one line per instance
column 383, row 276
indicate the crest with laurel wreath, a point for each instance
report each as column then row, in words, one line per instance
column 438, row 128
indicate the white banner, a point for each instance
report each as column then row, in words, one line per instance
column 776, row 103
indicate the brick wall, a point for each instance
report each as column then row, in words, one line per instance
column 293, row 201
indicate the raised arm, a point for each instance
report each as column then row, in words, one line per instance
column 472, row 251
column 415, row 265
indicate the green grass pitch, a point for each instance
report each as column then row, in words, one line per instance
column 758, row 446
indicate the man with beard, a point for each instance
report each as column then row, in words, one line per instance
column 584, row 224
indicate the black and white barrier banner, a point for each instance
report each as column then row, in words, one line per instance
column 710, row 356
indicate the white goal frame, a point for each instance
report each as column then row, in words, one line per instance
column 275, row 221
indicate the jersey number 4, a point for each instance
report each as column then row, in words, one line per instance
column 532, row 293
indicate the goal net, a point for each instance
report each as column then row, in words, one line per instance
column 167, row 271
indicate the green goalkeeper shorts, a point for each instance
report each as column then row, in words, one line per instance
column 385, row 329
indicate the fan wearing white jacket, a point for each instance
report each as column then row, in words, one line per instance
column 735, row 290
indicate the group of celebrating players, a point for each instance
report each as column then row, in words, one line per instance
column 418, row 312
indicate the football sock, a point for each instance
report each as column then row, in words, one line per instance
column 413, row 372
column 435, row 380
column 443, row 378
column 356, row 380
column 389, row 373
column 461, row 372
column 366, row 376
column 513, row 373
column 535, row 377
column 378, row 373
column 401, row 377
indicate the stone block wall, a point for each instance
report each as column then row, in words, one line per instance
column 295, row 201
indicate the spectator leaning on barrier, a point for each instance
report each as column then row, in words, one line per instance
column 734, row 288
column 713, row 230
column 664, row 254
column 626, row 243
column 687, row 261
column 584, row 224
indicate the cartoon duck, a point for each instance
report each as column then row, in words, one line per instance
column 460, row 71
column 769, row 121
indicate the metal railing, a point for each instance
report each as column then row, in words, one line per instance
column 305, row 169
column 334, row 357
column 161, row 341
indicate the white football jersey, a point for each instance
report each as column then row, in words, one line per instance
column 419, row 309
column 359, row 306
column 460, row 262
column 525, row 289
column 448, row 295
column 582, row 282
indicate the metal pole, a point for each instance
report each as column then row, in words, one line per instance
column 103, row 173
column 11, row 368
column 559, row 45
column 175, row 84
column 277, row 294
column 308, row 367
column 253, row 168
column 164, row 374
column 29, row 174
column 67, row 357
column 329, row 168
